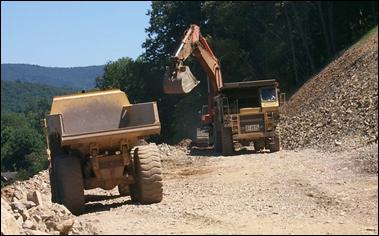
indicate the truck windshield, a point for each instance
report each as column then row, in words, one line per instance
column 268, row 94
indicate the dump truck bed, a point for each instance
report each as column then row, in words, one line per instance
column 103, row 117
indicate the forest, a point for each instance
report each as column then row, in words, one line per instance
column 23, row 107
column 284, row 40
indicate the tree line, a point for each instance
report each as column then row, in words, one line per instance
column 286, row 40
column 23, row 144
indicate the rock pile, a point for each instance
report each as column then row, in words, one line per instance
column 338, row 108
column 185, row 144
column 171, row 152
column 27, row 209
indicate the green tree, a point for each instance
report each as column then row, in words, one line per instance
column 129, row 76
column 22, row 146
column 285, row 40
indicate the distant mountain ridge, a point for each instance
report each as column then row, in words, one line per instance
column 69, row 77
column 17, row 96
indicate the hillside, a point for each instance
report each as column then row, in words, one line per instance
column 339, row 106
column 74, row 77
column 18, row 96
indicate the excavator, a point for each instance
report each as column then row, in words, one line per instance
column 242, row 112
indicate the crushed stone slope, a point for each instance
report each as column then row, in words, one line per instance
column 339, row 106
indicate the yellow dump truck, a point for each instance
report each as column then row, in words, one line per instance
column 96, row 139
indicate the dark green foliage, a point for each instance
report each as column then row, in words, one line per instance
column 125, row 74
column 168, row 20
column 288, row 41
column 74, row 77
column 23, row 107
column 22, row 145
column 17, row 96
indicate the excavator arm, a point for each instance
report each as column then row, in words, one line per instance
column 179, row 78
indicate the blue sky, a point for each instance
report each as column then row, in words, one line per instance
column 68, row 34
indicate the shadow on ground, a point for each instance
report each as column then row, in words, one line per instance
column 195, row 151
column 96, row 198
column 98, row 203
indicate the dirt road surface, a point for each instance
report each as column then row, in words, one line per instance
column 288, row 192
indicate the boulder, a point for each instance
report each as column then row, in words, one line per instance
column 29, row 204
column 17, row 206
column 34, row 232
column 65, row 226
column 35, row 197
column 28, row 224
column 8, row 222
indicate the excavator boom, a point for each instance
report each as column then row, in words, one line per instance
column 178, row 78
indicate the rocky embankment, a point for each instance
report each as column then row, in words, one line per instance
column 338, row 108
column 26, row 208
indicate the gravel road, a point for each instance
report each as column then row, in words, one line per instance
column 288, row 192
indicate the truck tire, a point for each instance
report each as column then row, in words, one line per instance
column 217, row 143
column 68, row 186
column 52, row 186
column 123, row 189
column 259, row 145
column 227, row 141
column 275, row 144
column 147, row 188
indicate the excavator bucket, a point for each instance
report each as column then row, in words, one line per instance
column 180, row 82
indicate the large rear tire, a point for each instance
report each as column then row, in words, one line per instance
column 55, row 151
column 259, row 145
column 227, row 141
column 68, row 187
column 275, row 144
column 52, row 186
column 147, row 188
column 217, row 143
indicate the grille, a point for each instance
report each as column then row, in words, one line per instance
column 252, row 123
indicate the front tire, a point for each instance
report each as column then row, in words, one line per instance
column 275, row 144
column 217, row 143
column 227, row 141
column 147, row 188
column 259, row 145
